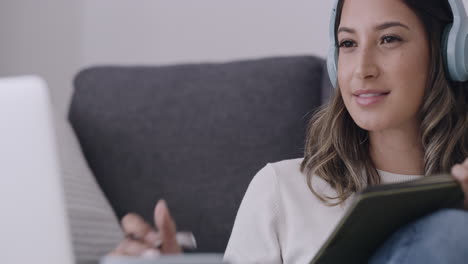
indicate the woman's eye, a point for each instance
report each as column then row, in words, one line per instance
column 347, row 44
column 390, row 39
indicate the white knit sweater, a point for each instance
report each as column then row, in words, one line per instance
column 281, row 221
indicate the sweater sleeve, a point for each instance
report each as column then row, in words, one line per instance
column 254, row 237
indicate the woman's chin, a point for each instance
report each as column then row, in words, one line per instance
column 372, row 125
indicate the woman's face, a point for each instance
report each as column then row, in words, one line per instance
column 383, row 63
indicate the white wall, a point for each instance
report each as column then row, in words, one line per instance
column 152, row 31
column 56, row 38
column 42, row 37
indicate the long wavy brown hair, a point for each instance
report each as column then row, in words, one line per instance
column 337, row 149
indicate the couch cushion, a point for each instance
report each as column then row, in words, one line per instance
column 193, row 134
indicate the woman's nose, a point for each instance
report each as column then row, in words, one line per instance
column 366, row 67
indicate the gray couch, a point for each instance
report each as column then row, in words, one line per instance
column 193, row 134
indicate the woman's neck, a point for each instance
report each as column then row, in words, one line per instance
column 397, row 151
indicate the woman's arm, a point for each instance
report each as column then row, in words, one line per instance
column 254, row 238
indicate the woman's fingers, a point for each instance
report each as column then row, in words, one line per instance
column 465, row 163
column 460, row 173
column 153, row 238
column 135, row 226
column 167, row 229
column 142, row 238
column 129, row 247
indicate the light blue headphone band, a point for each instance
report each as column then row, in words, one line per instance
column 458, row 9
column 332, row 60
column 457, row 43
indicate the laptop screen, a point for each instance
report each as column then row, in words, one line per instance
column 34, row 225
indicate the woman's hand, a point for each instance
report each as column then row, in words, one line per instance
column 143, row 240
column 460, row 172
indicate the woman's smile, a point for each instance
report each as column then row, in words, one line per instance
column 364, row 98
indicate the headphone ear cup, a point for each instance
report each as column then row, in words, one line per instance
column 332, row 61
column 444, row 46
column 455, row 43
column 462, row 53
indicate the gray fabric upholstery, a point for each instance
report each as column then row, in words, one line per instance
column 193, row 134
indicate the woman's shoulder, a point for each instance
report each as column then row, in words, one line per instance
column 287, row 167
column 281, row 176
column 273, row 172
column 285, row 176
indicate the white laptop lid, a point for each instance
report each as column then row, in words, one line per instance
column 34, row 226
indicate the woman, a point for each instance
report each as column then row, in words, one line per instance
column 394, row 117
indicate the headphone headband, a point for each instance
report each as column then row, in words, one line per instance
column 455, row 41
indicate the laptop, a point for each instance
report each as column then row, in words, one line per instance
column 188, row 258
column 34, row 225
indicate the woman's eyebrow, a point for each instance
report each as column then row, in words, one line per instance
column 391, row 24
column 378, row 27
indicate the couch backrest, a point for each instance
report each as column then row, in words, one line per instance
column 193, row 134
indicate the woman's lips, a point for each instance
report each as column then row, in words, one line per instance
column 371, row 98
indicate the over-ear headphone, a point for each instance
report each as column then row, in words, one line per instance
column 454, row 44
